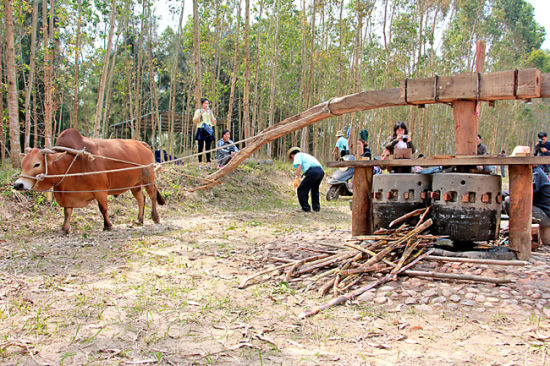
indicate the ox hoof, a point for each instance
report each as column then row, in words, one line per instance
column 107, row 228
column 65, row 231
column 138, row 223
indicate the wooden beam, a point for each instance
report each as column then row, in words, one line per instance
column 501, row 88
column 447, row 161
column 466, row 125
column 490, row 86
column 529, row 83
column 361, row 219
column 545, row 86
column 521, row 206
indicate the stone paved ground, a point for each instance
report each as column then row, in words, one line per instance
column 529, row 290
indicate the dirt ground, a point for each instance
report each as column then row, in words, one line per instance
column 168, row 294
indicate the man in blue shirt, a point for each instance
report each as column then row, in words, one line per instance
column 342, row 146
column 313, row 176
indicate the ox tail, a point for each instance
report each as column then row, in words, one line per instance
column 160, row 198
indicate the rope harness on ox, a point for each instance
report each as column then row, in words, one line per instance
column 42, row 176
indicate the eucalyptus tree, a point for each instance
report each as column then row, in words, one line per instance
column 11, row 72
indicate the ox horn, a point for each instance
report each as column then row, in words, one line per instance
column 27, row 150
column 47, row 151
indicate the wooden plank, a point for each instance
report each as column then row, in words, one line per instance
column 466, row 125
column 529, row 83
column 420, row 91
column 461, row 86
column 361, row 217
column 468, row 160
column 521, row 206
column 545, row 86
column 492, row 86
column 498, row 85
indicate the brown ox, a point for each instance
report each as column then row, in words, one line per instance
column 73, row 191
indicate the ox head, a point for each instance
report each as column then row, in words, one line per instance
column 32, row 169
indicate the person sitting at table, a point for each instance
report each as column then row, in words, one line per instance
column 400, row 139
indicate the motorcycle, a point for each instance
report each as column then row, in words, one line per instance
column 340, row 184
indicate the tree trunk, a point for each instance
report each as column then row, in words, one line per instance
column 2, row 134
column 274, row 63
column 30, row 83
column 196, row 52
column 74, row 119
column 48, row 75
column 11, row 69
column 246, row 114
column 104, row 74
column 235, row 68
column 255, row 106
column 173, row 84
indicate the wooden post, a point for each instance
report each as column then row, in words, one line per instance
column 466, row 118
column 361, row 217
column 466, row 125
column 521, row 206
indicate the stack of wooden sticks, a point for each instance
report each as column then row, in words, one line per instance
column 374, row 259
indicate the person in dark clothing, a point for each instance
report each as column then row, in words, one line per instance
column 313, row 176
column 363, row 144
column 226, row 148
column 542, row 148
column 205, row 121
column 482, row 150
column 502, row 154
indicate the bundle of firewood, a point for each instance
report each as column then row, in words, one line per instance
column 361, row 263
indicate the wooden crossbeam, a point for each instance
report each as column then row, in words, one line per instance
column 515, row 84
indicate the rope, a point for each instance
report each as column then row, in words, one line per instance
column 41, row 177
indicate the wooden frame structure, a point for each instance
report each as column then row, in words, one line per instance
column 464, row 92
column 521, row 191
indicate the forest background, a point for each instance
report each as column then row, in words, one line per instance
column 112, row 69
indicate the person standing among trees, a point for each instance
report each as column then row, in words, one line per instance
column 313, row 176
column 205, row 121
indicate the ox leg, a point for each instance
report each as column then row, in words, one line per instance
column 140, row 198
column 102, row 202
column 66, row 228
column 152, row 192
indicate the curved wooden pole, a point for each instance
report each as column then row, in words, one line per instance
column 334, row 107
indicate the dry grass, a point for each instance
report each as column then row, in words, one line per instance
column 168, row 294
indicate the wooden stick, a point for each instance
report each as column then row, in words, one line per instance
column 456, row 276
column 421, row 219
column 327, row 286
column 292, row 269
column 406, row 253
column 475, row 260
column 357, row 292
column 325, row 262
column 407, row 216
column 244, row 283
column 378, row 267
column 369, row 252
